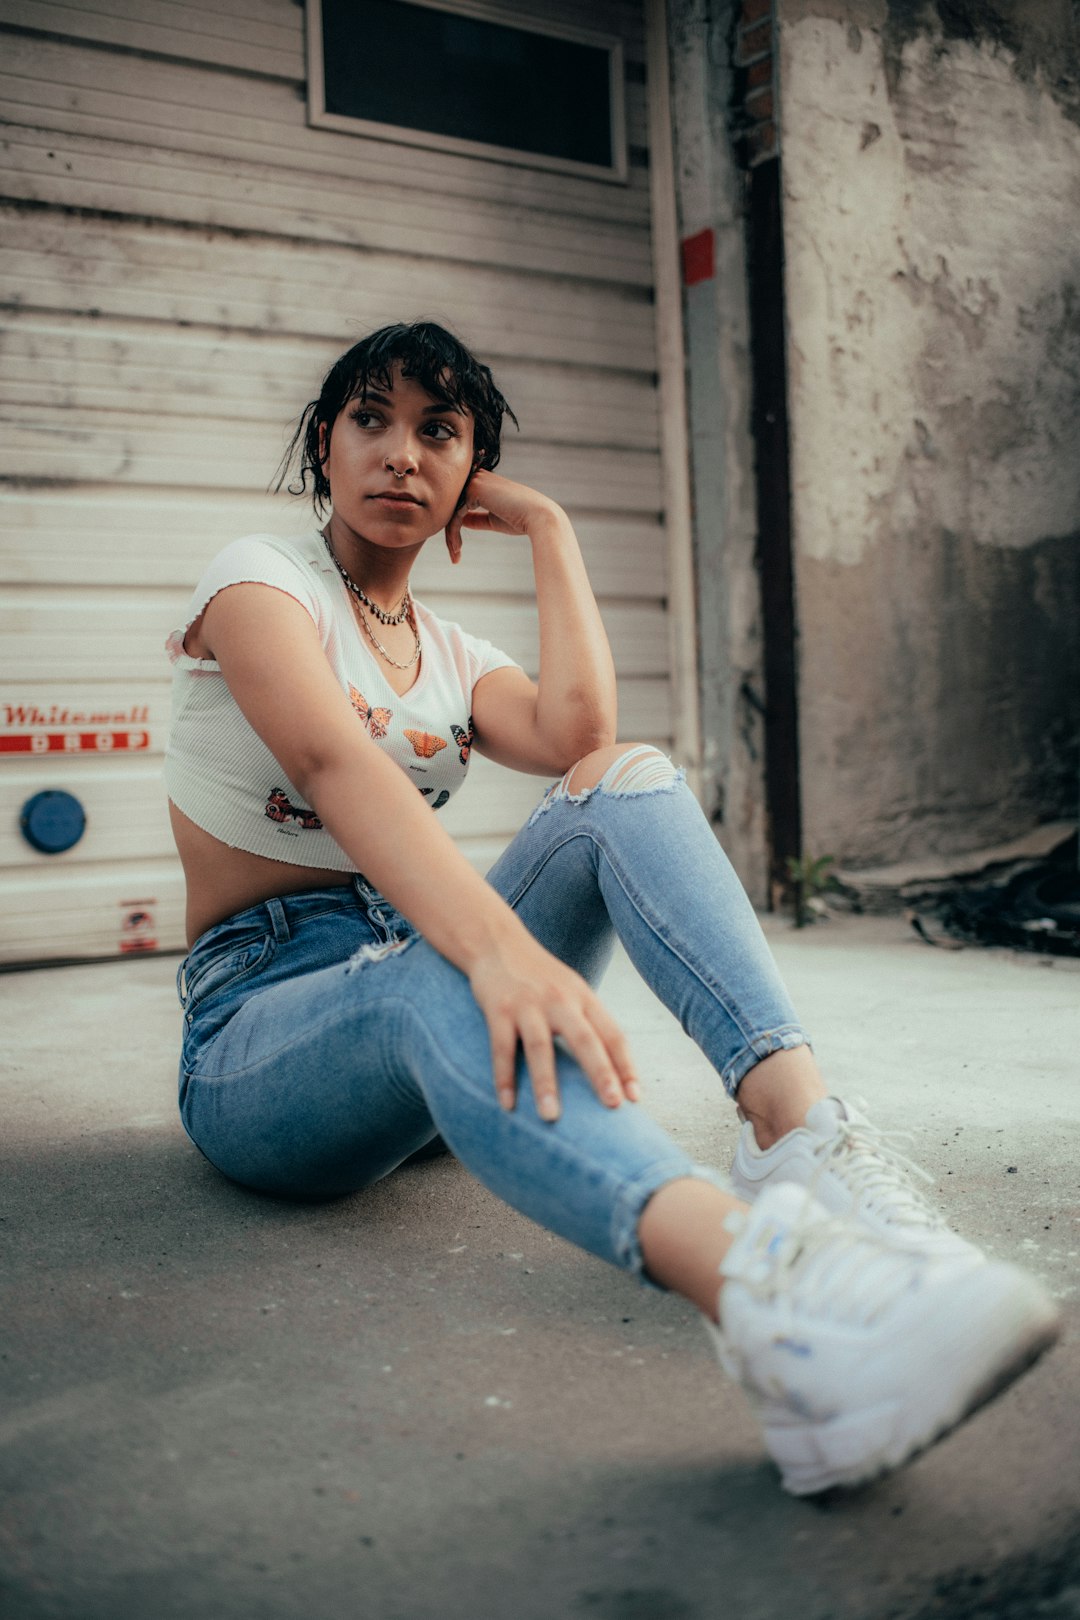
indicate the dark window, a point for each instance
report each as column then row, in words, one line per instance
column 424, row 68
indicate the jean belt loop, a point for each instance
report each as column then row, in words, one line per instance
column 278, row 920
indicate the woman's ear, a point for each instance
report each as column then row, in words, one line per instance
column 324, row 444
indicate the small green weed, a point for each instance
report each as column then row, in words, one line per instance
column 810, row 881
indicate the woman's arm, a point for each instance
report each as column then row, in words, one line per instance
column 544, row 727
column 270, row 655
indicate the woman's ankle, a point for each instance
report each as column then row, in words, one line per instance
column 777, row 1094
column 684, row 1234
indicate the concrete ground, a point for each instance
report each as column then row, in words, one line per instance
column 414, row 1404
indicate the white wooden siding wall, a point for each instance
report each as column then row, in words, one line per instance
column 180, row 258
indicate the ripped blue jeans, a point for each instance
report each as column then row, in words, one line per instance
column 325, row 1041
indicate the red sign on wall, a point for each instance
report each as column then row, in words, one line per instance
column 72, row 742
column 73, row 728
column 698, row 257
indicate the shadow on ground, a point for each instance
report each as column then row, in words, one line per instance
column 415, row 1404
column 229, row 1405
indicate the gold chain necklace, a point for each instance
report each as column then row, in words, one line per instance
column 396, row 615
column 409, row 662
column 405, row 612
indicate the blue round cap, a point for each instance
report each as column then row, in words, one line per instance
column 52, row 821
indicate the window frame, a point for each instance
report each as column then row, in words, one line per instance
column 616, row 173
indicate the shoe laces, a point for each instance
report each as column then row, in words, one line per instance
column 822, row 1267
column 879, row 1175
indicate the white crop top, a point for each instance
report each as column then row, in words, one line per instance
column 221, row 774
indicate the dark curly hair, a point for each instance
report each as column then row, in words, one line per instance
column 426, row 352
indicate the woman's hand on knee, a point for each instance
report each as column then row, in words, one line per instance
column 529, row 997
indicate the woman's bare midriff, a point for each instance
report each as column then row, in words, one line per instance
column 222, row 881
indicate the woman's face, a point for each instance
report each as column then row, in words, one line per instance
column 397, row 463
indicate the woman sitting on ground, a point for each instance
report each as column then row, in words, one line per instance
column 354, row 991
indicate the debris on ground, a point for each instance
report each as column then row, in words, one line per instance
column 1025, row 896
column 1025, row 905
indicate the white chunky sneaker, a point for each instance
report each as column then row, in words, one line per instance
column 856, row 1354
column 853, row 1169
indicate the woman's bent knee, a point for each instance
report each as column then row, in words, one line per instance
column 620, row 768
column 620, row 771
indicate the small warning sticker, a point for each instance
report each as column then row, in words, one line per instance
column 138, row 929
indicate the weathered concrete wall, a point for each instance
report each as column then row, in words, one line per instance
column 709, row 197
column 931, row 163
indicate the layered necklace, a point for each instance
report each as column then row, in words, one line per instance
column 402, row 614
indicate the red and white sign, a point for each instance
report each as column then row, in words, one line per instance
column 72, row 742
column 55, row 728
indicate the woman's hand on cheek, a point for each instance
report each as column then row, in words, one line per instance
column 453, row 534
column 463, row 513
column 496, row 505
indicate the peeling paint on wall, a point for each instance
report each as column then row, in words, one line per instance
column 934, row 297
column 1041, row 37
column 933, row 293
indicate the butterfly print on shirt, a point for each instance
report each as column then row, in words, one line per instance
column 424, row 744
column 438, row 803
column 377, row 721
column 464, row 740
column 279, row 808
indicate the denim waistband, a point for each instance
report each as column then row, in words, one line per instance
column 282, row 913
